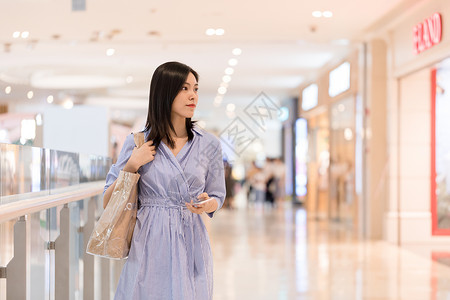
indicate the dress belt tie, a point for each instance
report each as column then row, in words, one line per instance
column 185, row 214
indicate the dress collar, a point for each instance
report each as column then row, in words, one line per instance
column 197, row 129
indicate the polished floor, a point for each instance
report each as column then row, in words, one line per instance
column 262, row 253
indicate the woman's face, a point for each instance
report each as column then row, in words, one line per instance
column 185, row 102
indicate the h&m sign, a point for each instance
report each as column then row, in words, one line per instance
column 427, row 33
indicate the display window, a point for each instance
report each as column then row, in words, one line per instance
column 301, row 151
column 440, row 153
column 342, row 161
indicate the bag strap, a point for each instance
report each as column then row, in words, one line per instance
column 139, row 139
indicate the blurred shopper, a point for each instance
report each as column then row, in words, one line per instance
column 248, row 178
column 258, row 182
column 170, row 256
column 270, row 181
column 279, row 171
column 229, row 184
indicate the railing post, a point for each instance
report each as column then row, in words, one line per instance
column 106, row 278
column 62, row 257
column 17, row 281
column 89, row 260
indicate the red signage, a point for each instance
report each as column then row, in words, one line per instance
column 428, row 33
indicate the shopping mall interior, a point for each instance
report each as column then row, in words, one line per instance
column 330, row 120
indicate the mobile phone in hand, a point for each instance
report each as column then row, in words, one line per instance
column 201, row 201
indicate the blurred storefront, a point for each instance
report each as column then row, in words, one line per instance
column 329, row 107
column 415, row 178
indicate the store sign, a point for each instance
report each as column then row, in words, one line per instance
column 310, row 97
column 428, row 33
column 339, row 80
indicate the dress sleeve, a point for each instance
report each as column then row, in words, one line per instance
column 124, row 155
column 215, row 179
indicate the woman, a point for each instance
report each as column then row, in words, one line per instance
column 170, row 256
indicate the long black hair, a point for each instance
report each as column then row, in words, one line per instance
column 167, row 81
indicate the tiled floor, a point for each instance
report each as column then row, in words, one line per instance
column 279, row 254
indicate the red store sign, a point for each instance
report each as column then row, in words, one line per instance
column 428, row 33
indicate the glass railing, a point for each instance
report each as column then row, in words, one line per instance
column 42, row 251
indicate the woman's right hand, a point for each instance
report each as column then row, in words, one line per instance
column 139, row 157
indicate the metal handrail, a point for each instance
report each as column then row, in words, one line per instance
column 35, row 202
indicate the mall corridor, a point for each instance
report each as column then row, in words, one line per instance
column 286, row 149
column 278, row 254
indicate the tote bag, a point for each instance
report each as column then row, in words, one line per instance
column 111, row 237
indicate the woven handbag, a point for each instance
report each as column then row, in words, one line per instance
column 112, row 234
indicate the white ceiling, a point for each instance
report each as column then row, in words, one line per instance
column 282, row 46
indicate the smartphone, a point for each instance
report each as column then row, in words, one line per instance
column 201, row 202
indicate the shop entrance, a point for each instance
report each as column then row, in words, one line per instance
column 342, row 200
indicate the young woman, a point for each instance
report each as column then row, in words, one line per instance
column 180, row 164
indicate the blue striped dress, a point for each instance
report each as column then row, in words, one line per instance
column 170, row 255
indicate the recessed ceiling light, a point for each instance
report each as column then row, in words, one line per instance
column 110, row 52
column 316, row 14
column 16, row 34
column 220, row 31
column 30, row 94
column 226, row 78
column 231, row 107
column 8, row 89
column 237, row 51
column 210, row 31
column 229, row 71
column 232, row 62
column 327, row 14
column 68, row 104
column 50, row 99
column 222, row 90
column 25, row 34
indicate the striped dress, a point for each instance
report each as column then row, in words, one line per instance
column 170, row 255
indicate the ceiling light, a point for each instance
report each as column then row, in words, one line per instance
column 210, row 31
column 110, row 52
column 316, row 14
column 25, row 34
column 220, row 31
column 232, row 62
column 50, row 99
column 226, row 78
column 327, row 14
column 237, row 51
column 16, row 34
column 229, row 71
column 8, row 89
column 68, row 104
column 222, row 90
column 30, row 94
column 231, row 107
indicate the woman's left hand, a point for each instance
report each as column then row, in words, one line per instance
column 208, row 207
